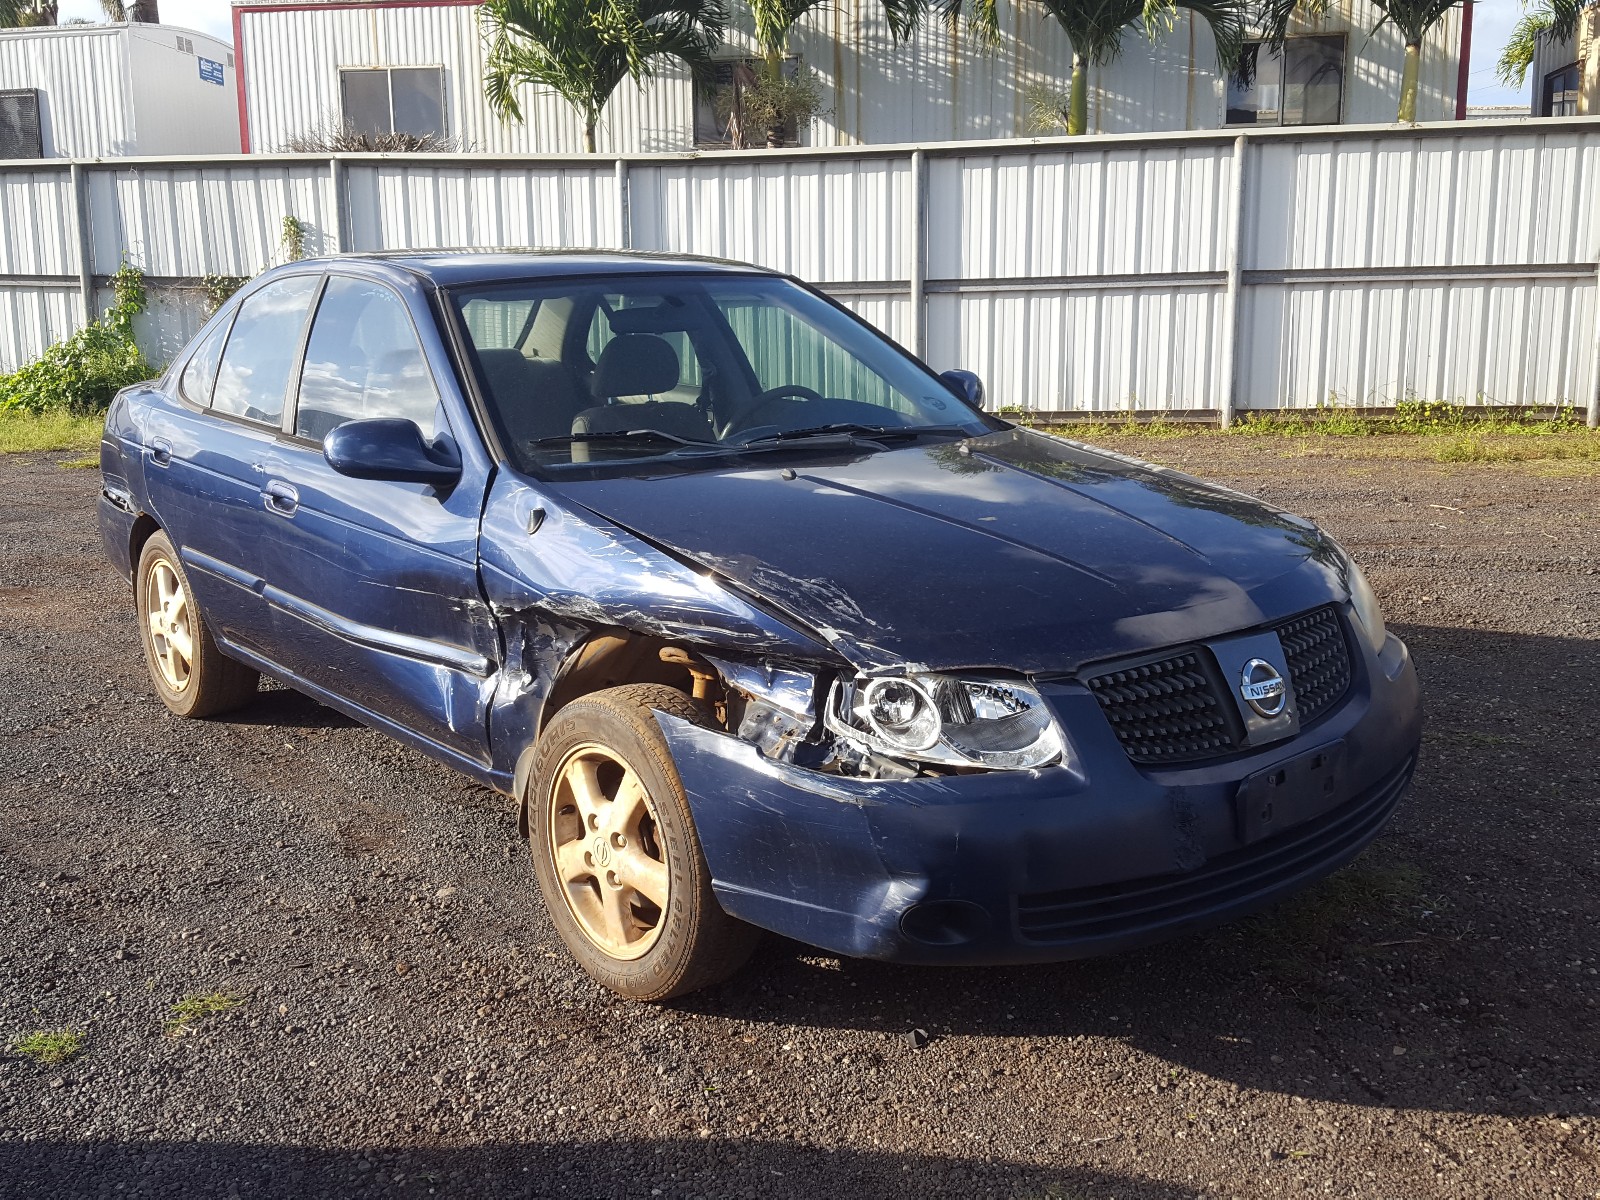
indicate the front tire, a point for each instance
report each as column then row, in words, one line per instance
column 192, row 677
column 616, row 853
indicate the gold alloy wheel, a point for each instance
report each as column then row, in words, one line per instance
column 607, row 851
column 171, row 634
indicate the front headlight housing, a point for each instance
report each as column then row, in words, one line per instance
column 1369, row 613
column 946, row 720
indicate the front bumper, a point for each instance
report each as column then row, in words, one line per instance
column 1036, row 866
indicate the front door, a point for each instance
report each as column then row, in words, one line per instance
column 373, row 585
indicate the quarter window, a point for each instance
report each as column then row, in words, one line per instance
column 200, row 374
column 394, row 100
column 363, row 360
column 261, row 350
column 1301, row 85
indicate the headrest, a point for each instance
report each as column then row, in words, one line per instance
column 635, row 364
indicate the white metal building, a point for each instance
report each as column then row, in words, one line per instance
column 99, row 91
column 417, row 66
column 1566, row 74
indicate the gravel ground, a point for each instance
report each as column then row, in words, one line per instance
column 1423, row 1024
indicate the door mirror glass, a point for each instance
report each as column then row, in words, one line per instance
column 966, row 385
column 393, row 449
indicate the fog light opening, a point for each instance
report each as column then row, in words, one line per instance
column 944, row 922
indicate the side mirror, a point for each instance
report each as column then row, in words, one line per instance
column 393, row 449
column 966, row 385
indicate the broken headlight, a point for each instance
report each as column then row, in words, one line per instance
column 946, row 720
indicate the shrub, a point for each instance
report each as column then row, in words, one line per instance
column 333, row 137
column 81, row 374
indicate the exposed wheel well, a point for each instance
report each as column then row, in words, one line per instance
column 144, row 528
column 618, row 657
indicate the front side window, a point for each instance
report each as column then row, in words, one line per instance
column 694, row 369
column 254, row 373
column 382, row 100
column 1560, row 97
column 363, row 360
column 1303, row 84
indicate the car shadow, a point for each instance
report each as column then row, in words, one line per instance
column 1452, row 967
column 278, row 705
column 612, row 1168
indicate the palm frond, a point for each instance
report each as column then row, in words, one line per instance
column 1272, row 18
column 583, row 49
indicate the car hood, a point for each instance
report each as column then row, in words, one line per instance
column 1013, row 550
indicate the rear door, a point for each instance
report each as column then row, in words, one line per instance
column 210, row 452
column 373, row 585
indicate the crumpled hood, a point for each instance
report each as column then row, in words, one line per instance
column 1016, row 551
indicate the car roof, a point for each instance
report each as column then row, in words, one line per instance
column 453, row 268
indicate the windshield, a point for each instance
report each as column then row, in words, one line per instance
column 635, row 369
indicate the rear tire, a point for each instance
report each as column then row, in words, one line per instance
column 192, row 677
column 615, row 849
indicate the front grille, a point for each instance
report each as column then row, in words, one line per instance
column 1123, row 909
column 1319, row 660
column 1167, row 710
column 1175, row 709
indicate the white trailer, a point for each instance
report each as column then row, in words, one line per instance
column 103, row 91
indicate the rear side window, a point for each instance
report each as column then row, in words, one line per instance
column 254, row 375
column 363, row 360
column 200, row 375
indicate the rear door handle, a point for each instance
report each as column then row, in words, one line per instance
column 160, row 451
column 281, row 498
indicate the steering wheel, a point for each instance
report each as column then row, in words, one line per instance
column 765, row 406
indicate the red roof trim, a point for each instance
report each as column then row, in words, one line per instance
column 250, row 8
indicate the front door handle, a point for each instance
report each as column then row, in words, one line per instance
column 160, row 451
column 281, row 498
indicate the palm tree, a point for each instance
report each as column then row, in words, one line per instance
column 1556, row 20
column 22, row 14
column 1096, row 29
column 583, row 49
column 781, row 98
column 1413, row 18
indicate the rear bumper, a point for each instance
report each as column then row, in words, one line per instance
column 1011, row 867
column 116, row 528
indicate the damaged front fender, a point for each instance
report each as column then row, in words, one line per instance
column 555, row 580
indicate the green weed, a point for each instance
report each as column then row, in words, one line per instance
column 191, row 1010
column 51, row 1047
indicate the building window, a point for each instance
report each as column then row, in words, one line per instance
column 394, row 100
column 1560, row 93
column 21, row 135
column 720, row 119
column 1303, row 84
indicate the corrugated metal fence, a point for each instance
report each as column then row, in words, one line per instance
column 1207, row 272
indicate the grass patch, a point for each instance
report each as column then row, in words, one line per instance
column 191, row 1010
column 50, row 1047
column 1445, row 433
column 23, row 432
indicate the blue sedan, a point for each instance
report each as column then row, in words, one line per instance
column 760, row 622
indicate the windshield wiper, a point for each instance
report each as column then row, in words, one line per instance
column 618, row 437
column 850, row 431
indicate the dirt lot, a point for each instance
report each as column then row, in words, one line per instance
column 1424, row 1024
